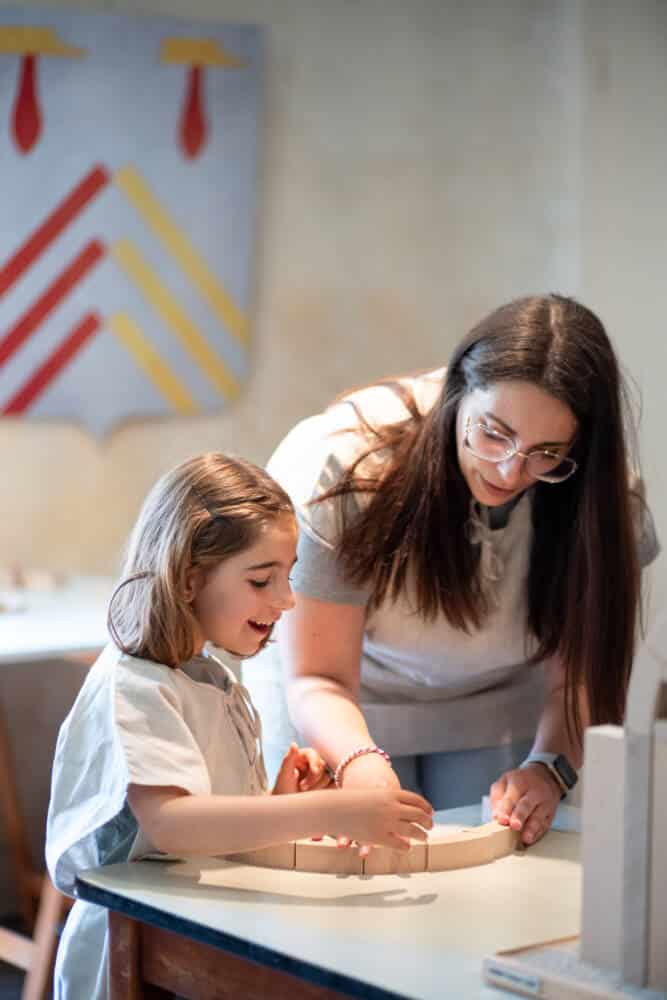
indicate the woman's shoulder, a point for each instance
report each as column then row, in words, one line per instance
column 322, row 446
column 385, row 402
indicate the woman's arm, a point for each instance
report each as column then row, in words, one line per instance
column 527, row 798
column 179, row 823
column 321, row 647
column 552, row 732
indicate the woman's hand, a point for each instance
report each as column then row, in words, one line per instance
column 302, row 770
column 526, row 799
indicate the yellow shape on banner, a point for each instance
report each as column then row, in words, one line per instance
column 147, row 358
column 156, row 216
column 21, row 39
column 198, row 52
column 166, row 305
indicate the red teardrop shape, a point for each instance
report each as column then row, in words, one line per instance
column 193, row 130
column 26, row 116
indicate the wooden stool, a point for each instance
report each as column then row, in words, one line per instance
column 42, row 907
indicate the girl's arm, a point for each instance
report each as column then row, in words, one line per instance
column 321, row 647
column 526, row 799
column 179, row 823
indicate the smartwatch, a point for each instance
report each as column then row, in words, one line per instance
column 558, row 766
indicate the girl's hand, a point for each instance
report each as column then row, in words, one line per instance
column 302, row 770
column 368, row 771
column 525, row 799
column 390, row 817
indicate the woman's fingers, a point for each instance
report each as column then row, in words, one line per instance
column 537, row 824
column 525, row 799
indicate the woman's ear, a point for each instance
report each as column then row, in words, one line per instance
column 194, row 579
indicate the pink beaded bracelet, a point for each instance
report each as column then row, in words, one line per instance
column 359, row 752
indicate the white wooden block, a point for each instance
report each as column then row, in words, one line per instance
column 324, row 856
column 636, row 855
column 657, row 938
column 450, row 849
column 387, row 861
column 602, row 847
column 275, row 856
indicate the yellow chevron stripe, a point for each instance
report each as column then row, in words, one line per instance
column 138, row 193
column 164, row 303
column 158, row 371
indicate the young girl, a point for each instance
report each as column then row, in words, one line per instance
column 161, row 750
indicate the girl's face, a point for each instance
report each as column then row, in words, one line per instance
column 523, row 412
column 237, row 603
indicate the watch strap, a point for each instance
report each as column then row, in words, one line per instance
column 559, row 767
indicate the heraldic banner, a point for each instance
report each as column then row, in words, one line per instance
column 128, row 158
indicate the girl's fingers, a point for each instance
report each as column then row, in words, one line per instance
column 413, row 831
column 411, row 815
column 409, row 798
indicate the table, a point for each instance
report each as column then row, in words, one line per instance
column 62, row 622
column 195, row 925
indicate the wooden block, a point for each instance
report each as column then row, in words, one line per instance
column 388, row 861
column 275, row 856
column 323, row 856
column 657, row 930
column 450, row 849
column 602, row 847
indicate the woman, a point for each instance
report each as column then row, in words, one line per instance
column 468, row 584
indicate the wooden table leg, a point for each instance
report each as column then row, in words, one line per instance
column 125, row 975
column 147, row 963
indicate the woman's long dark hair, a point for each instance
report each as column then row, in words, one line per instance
column 584, row 578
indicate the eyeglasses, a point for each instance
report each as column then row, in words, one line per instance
column 492, row 446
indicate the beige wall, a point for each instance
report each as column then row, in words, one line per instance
column 423, row 161
column 408, row 185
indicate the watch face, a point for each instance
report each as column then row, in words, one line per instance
column 566, row 771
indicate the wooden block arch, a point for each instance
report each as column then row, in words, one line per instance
column 447, row 848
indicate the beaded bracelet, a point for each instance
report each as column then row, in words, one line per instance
column 359, row 752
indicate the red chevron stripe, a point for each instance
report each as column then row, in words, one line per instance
column 54, row 364
column 47, row 302
column 52, row 227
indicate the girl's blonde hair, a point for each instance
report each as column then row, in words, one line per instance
column 203, row 511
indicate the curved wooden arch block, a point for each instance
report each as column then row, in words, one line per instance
column 447, row 848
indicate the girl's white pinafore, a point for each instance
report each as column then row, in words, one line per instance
column 140, row 722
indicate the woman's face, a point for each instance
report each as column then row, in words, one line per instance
column 523, row 412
